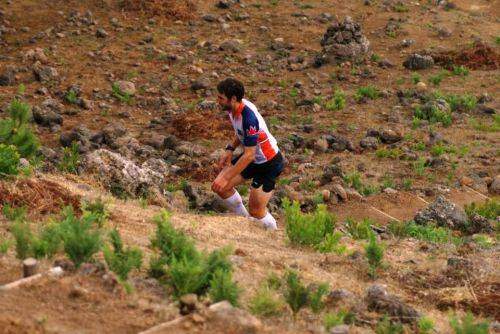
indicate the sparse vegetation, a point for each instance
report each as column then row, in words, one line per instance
column 4, row 246
column 468, row 325
column 331, row 244
column 429, row 233
column 374, row 254
column 316, row 297
column 337, row 102
column 489, row 209
column 336, row 319
column 296, row 295
column 265, row 304
column 359, row 229
column 96, row 208
column 425, row 325
column 222, row 287
column 70, row 160
column 369, row 92
column 9, row 160
column 121, row 96
column 385, row 326
column 307, row 229
column 119, row 259
column 71, row 97
column 354, row 180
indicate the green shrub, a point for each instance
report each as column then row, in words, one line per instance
column 354, row 180
column 9, row 160
column 429, row 233
column 374, row 254
column 425, row 325
column 316, row 297
column 296, row 294
column 189, row 271
column 331, row 244
column 265, row 304
column 273, row 281
column 384, row 326
column 489, row 209
column 415, row 78
column 464, row 102
column 307, row 229
column 419, row 166
column 359, row 229
column 393, row 153
column 460, row 70
column 22, row 238
column 121, row 96
column 468, row 325
column 81, row 240
column 120, row 260
column 14, row 213
column 70, row 160
column 4, row 246
column 15, row 130
column 336, row 319
column 433, row 115
column 337, row 102
column 369, row 92
column 97, row 208
column 47, row 243
column 222, row 287
column 483, row 241
column 71, row 97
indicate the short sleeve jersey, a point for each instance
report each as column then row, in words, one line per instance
column 251, row 129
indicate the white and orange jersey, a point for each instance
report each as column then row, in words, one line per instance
column 251, row 129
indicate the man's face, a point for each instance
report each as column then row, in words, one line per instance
column 224, row 102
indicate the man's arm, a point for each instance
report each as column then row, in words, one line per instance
column 245, row 160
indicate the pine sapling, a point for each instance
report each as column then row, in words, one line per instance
column 222, row 287
column 374, row 253
column 119, row 259
column 296, row 294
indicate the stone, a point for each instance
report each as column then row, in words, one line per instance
column 340, row 329
column 223, row 4
column 123, row 175
column 101, row 33
column 231, row 45
column 79, row 134
column 380, row 301
column 235, row 320
column 201, row 83
column 494, row 187
column 30, row 267
column 48, row 113
column 8, row 76
column 188, row 303
column 321, row 145
column 126, row 87
column 46, row 74
column 369, row 143
column 338, row 190
column 112, row 132
column 418, row 62
column 338, row 143
column 443, row 213
column 389, row 136
column 444, row 32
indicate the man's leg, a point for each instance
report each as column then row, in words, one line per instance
column 230, row 196
column 258, row 207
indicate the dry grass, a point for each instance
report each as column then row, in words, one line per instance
column 179, row 9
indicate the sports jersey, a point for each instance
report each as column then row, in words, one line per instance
column 251, row 129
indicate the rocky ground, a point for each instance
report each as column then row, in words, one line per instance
column 383, row 109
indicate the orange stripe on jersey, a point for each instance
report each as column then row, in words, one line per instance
column 239, row 110
column 265, row 146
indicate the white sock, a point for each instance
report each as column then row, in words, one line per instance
column 269, row 222
column 235, row 204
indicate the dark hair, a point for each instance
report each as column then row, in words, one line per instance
column 231, row 87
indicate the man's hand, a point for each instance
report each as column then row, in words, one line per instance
column 225, row 160
column 220, row 183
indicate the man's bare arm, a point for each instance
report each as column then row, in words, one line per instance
column 247, row 157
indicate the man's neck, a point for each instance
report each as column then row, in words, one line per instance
column 237, row 111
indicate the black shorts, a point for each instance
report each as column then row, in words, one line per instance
column 264, row 174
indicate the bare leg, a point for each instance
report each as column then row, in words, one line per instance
column 230, row 195
column 258, row 207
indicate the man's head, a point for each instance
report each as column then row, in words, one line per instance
column 231, row 91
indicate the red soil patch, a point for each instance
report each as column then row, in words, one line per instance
column 479, row 56
column 179, row 9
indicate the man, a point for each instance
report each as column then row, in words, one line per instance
column 261, row 160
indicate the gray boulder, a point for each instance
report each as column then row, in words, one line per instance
column 443, row 213
column 418, row 62
column 380, row 301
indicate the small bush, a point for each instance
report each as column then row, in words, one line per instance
column 296, row 294
column 393, row 153
column 9, row 160
column 359, row 229
column 374, row 254
column 47, row 243
column 489, row 209
column 14, row 213
column 4, row 246
column 425, row 325
column 433, row 115
column 316, row 297
column 185, row 276
column 460, row 70
column 307, row 229
column 71, row 97
column 384, row 326
column 22, row 237
column 222, row 287
column 98, row 210
column 415, row 78
column 337, row 102
column 468, row 325
column 429, row 233
column 483, row 241
column 70, row 160
column 120, row 260
column 464, row 102
column 336, row 319
column 354, row 180
column 80, row 239
column 273, row 281
column 121, row 96
column 331, row 244
column 368, row 92
column 15, row 130
column 264, row 304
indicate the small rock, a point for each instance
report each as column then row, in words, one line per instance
column 188, row 303
column 495, row 186
column 389, row 136
column 235, row 320
column 101, row 33
column 340, row 329
column 201, row 83
column 126, row 87
column 379, row 300
column 444, row 213
column 232, row 45
column 418, row 62
column 338, row 190
column 369, row 143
